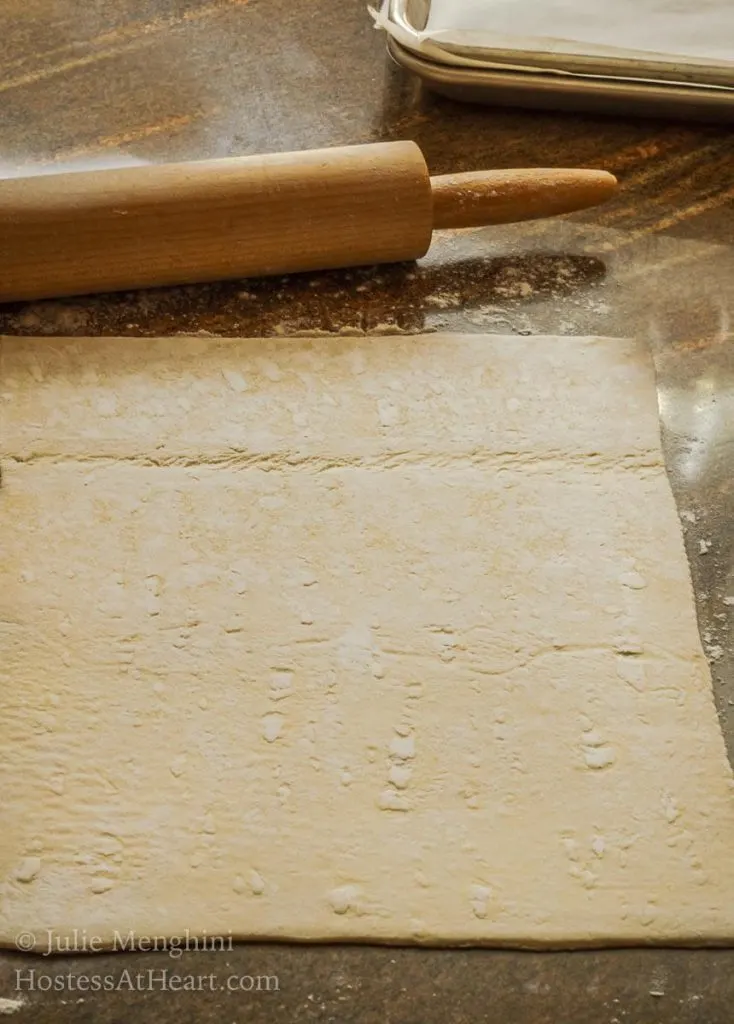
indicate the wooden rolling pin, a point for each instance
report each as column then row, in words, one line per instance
column 73, row 233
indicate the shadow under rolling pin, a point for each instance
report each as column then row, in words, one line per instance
column 141, row 227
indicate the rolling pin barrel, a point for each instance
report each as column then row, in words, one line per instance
column 136, row 227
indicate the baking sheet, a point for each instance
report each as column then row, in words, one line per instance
column 467, row 35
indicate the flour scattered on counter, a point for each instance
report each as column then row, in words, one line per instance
column 713, row 650
column 515, row 290
column 387, row 328
column 497, row 318
column 446, row 300
column 8, row 1006
column 53, row 318
column 347, row 331
column 704, row 546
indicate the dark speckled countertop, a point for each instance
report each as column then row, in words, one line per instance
column 102, row 83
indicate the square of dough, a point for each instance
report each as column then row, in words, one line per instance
column 384, row 639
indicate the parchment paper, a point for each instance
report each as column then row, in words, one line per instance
column 649, row 40
column 679, row 28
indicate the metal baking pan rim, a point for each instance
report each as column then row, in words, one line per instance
column 559, row 92
column 704, row 76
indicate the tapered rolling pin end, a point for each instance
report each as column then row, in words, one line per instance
column 502, row 197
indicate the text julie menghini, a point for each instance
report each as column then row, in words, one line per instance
column 78, row 940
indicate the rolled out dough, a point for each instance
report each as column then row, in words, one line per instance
column 380, row 638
